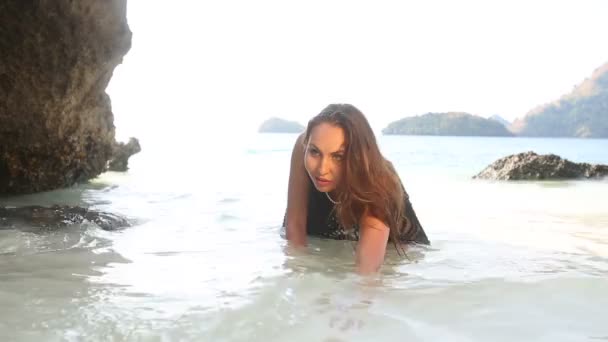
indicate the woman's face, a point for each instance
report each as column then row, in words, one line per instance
column 325, row 152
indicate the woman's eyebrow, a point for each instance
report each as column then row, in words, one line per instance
column 341, row 150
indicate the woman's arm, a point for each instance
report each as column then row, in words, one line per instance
column 297, row 196
column 373, row 237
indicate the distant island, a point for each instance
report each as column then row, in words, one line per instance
column 500, row 119
column 277, row 125
column 583, row 113
column 452, row 123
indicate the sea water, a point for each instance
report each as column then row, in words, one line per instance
column 204, row 260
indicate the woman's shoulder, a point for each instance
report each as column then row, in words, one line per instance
column 370, row 221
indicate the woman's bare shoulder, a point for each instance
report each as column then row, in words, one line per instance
column 369, row 221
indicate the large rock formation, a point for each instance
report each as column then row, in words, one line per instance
column 121, row 153
column 56, row 123
column 531, row 166
column 452, row 123
column 582, row 113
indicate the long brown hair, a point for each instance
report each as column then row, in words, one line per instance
column 370, row 185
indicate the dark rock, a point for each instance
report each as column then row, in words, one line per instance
column 121, row 153
column 56, row 217
column 532, row 166
column 56, row 123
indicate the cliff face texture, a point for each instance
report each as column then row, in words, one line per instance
column 581, row 113
column 56, row 59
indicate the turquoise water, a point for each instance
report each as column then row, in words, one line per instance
column 204, row 260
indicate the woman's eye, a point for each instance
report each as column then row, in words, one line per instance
column 338, row 157
column 313, row 152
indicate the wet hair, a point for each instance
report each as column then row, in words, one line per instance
column 370, row 185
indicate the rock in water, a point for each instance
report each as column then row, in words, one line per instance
column 121, row 154
column 532, row 166
column 57, row 217
column 56, row 123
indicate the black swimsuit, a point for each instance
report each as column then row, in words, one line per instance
column 321, row 220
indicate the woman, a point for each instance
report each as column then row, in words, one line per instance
column 341, row 187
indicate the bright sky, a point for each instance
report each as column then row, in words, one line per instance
column 240, row 62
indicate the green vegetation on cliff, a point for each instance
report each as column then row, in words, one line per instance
column 456, row 124
column 582, row 113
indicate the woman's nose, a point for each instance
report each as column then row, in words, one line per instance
column 325, row 166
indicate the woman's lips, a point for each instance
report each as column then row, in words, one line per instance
column 322, row 181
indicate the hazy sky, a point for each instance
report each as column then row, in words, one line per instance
column 240, row 62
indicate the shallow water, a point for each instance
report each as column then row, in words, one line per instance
column 204, row 260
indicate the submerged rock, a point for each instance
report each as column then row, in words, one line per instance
column 56, row 122
column 121, row 153
column 532, row 166
column 56, row 217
